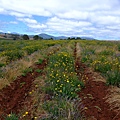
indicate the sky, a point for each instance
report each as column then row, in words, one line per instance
column 98, row 19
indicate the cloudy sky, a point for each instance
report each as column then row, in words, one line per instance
column 99, row 19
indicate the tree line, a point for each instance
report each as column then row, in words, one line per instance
column 36, row 37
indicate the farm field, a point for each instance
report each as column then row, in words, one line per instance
column 59, row 80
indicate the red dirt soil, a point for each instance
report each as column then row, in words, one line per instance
column 12, row 97
column 92, row 96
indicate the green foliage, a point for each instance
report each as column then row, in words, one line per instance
column 102, row 67
column 88, row 51
column 78, row 38
column 38, row 70
column 2, row 64
column 36, row 37
column 25, row 37
column 118, row 47
column 11, row 117
column 14, row 55
column 62, row 79
column 40, row 61
column 30, row 49
column 50, row 44
column 84, row 59
column 62, row 108
column 104, row 59
column 113, row 78
column 13, row 50
column 22, row 84
column 27, row 71
column 106, row 52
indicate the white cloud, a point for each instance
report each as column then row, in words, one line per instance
column 66, row 27
column 32, row 23
column 24, row 7
column 37, row 26
column 18, row 14
column 67, row 17
column 1, row 10
column 55, row 7
column 73, row 14
column 28, row 20
column 13, row 22
column 8, row 32
column 68, row 23
column 105, row 19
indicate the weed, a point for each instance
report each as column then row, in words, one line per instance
column 38, row 70
column 118, row 47
column 113, row 78
column 62, row 108
column 40, row 61
column 62, row 78
column 2, row 64
column 22, row 84
column 27, row 71
column 11, row 117
column 106, row 52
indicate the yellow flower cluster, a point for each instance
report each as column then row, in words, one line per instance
column 62, row 75
column 105, row 58
column 14, row 50
column 26, row 113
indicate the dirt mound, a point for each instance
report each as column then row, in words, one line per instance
column 94, row 96
column 12, row 97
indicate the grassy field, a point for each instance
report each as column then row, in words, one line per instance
column 103, row 57
column 54, row 91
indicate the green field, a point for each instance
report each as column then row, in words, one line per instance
column 59, row 78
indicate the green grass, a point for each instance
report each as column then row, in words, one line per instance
column 12, row 117
column 62, row 79
column 27, row 71
column 105, row 59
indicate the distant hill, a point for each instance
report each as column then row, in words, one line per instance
column 88, row 38
column 61, row 37
column 43, row 35
column 46, row 36
column 1, row 32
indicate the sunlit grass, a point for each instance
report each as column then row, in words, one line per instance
column 103, row 58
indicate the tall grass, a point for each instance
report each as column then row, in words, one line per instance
column 104, row 58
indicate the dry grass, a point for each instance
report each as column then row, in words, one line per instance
column 14, row 69
column 79, row 49
column 34, row 106
column 39, row 97
column 96, row 76
column 114, row 98
column 3, row 59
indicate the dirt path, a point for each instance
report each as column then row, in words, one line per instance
column 12, row 97
column 94, row 93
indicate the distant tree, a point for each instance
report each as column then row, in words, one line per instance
column 68, row 38
column 36, row 37
column 78, row 38
column 73, row 38
column 15, row 36
column 25, row 37
column 51, row 38
column 5, row 36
